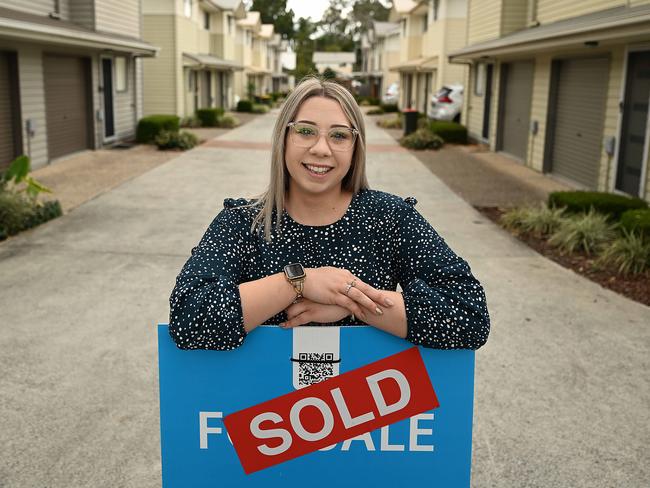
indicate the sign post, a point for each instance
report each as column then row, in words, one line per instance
column 381, row 411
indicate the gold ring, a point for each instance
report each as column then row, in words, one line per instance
column 350, row 285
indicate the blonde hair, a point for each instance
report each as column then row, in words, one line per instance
column 354, row 180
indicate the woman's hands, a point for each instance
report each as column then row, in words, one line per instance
column 306, row 311
column 328, row 285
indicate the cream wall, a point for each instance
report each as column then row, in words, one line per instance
column 554, row 10
column 484, row 20
column 118, row 17
column 160, row 80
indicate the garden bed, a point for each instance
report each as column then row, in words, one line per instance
column 635, row 287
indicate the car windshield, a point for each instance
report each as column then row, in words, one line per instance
column 443, row 92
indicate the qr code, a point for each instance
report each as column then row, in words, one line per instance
column 314, row 367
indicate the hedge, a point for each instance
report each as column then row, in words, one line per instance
column 610, row 204
column 244, row 106
column 637, row 221
column 451, row 132
column 389, row 107
column 209, row 117
column 149, row 127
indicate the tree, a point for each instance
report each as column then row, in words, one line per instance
column 275, row 12
column 304, row 47
column 329, row 73
column 364, row 12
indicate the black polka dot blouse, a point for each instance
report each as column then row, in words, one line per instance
column 382, row 239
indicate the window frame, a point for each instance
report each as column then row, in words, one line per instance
column 121, row 85
column 480, row 79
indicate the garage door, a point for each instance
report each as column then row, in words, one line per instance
column 7, row 112
column 516, row 98
column 581, row 91
column 66, row 104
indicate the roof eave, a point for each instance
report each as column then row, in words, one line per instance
column 617, row 30
column 16, row 29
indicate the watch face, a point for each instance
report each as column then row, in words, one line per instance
column 294, row 271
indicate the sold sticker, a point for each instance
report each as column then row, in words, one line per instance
column 323, row 414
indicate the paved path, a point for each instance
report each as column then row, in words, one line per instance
column 562, row 395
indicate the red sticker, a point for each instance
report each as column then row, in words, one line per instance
column 323, row 414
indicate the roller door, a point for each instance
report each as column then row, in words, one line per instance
column 66, row 82
column 8, row 110
column 517, row 92
column 578, row 118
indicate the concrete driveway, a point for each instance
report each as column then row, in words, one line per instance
column 562, row 393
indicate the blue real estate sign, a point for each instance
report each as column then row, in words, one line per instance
column 199, row 388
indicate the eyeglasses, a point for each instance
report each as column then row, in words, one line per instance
column 307, row 135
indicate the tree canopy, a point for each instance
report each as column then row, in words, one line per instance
column 275, row 12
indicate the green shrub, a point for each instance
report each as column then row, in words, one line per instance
column 585, row 232
column 260, row 109
column 244, row 106
column 637, row 221
column 149, row 127
column 228, row 122
column 47, row 211
column 609, row 204
column 630, row 253
column 389, row 107
column 394, row 123
column 18, row 213
column 422, row 139
column 209, row 117
column 191, row 122
column 15, row 209
column 375, row 111
column 451, row 132
column 540, row 220
column 175, row 140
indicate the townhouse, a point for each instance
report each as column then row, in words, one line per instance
column 279, row 79
column 339, row 61
column 70, row 76
column 380, row 48
column 563, row 87
column 255, row 54
column 429, row 30
column 198, row 62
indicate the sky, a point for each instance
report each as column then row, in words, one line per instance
column 308, row 8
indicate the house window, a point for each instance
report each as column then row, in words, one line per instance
column 479, row 80
column 187, row 8
column 57, row 6
column 206, row 20
column 435, row 5
column 425, row 22
column 230, row 21
column 120, row 74
column 403, row 27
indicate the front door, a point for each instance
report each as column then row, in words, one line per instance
column 634, row 130
column 109, row 116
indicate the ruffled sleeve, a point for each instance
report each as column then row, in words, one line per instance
column 445, row 305
column 205, row 305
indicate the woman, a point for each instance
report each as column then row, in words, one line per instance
column 334, row 255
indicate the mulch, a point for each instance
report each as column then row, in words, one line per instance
column 636, row 288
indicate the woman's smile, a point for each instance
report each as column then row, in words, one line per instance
column 317, row 170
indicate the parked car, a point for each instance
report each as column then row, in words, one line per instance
column 391, row 97
column 447, row 103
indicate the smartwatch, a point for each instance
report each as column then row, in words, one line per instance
column 295, row 274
